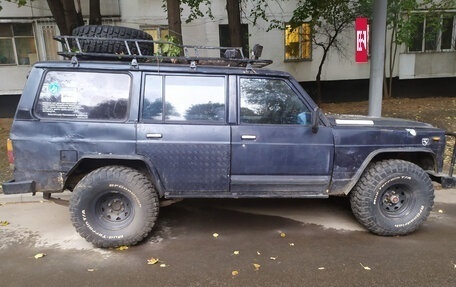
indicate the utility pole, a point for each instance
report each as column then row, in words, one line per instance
column 377, row 58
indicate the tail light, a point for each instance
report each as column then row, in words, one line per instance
column 9, row 151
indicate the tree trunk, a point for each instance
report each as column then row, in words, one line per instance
column 234, row 22
column 95, row 13
column 56, row 8
column 319, row 96
column 65, row 15
column 71, row 16
column 174, row 19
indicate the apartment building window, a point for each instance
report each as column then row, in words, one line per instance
column 298, row 43
column 434, row 33
column 17, row 44
column 158, row 33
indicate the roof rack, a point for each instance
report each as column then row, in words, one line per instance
column 129, row 49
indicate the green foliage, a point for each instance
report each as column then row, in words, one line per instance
column 404, row 17
column 195, row 9
column 170, row 47
column 19, row 3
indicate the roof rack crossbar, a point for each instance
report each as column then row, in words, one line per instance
column 232, row 56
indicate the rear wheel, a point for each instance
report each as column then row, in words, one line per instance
column 393, row 197
column 114, row 206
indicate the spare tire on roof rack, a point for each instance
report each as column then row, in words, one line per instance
column 114, row 46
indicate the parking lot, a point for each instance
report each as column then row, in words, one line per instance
column 228, row 243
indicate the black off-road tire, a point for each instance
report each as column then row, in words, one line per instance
column 112, row 47
column 393, row 197
column 114, row 206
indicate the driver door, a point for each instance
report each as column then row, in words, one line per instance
column 275, row 153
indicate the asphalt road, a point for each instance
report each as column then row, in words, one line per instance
column 259, row 243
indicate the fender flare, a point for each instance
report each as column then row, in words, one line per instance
column 348, row 187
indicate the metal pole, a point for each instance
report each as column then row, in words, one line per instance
column 377, row 58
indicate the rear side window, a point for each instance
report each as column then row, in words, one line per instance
column 184, row 99
column 84, row 95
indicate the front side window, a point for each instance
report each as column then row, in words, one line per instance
column 298, row 42
column 184, row 99
column 84, row 96
column 17, row 44
column 271, row 101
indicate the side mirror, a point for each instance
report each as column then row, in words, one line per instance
column 315, row 120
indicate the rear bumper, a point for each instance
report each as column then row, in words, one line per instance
column 18, row 187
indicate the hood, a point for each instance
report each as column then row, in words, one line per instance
column 355, row 120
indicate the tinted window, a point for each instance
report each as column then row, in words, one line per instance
column 184, row 98
column 84, row 95
column 271, row 101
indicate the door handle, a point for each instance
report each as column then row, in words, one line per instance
column 248, row 137
column 154, row 136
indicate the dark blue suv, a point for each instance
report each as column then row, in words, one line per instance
column 122, row 136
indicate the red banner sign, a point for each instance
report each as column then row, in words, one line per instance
column 361, row 40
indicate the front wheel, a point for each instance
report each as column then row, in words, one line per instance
column 393, row 197
column 114, row 206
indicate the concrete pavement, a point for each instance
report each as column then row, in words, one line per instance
column 323, row 246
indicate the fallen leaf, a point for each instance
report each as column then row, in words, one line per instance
column 122, row 248
column 152, row 261
column 215, row 235
column 292, row 244
column 90, row 269
column 236, row 252
column 365, row 267
column 234, row 272
column 4, row 223
column 283, row 235
column 258, row 253
column 440, row 211
column 163, row 265
column 256, row 266
column 273, row 258
column 40, row 255
column 321, row 268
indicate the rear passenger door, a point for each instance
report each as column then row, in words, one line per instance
column 183, row 133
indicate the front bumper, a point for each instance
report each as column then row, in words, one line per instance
column 18, row 187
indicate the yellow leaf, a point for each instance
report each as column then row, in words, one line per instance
column 236, row 252
column 152, row 261
column 4, row 223
column 440, row 211
column 292, row 244
column 283, row 235
column 256, row 266
column 321, row 268
column 163, row 265
column 122, row 248
column 273, row 258
column 234, row 272
column 215, row 235
column 365, row 267
column 40, row 255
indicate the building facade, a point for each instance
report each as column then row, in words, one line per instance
column 26, row 37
